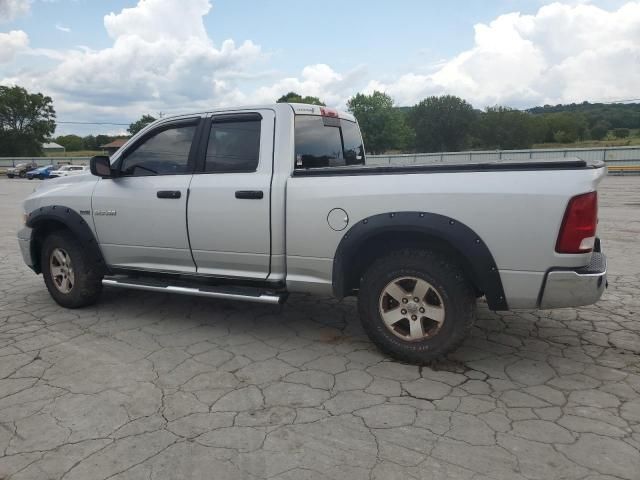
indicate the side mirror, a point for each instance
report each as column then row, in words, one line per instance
column 101, row 166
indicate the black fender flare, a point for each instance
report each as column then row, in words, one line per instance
column 457, row 235
column 73, row 221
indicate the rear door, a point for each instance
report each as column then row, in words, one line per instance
column 140, row 216
column 229, row 204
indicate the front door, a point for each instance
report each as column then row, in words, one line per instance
column 229, row 203
column 140, row 215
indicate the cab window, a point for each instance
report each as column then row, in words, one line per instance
column 234, row 146
column 163, row 153
column 327, row 142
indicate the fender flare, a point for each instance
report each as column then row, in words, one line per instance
column 457, row 235
column 71, row 220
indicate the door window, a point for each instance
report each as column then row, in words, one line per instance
column 164, row 153
column 234, row 146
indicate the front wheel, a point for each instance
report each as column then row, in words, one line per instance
column 69, row 273
column 416, row 305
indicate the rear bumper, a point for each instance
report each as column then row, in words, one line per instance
column 575, row 288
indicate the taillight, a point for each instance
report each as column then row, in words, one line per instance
column 578, row 230
column 329, row 112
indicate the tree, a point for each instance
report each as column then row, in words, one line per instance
column 383, row 127
column 90, row 142
column 71, row 143
column 599, row 130
column 565, row 127
column 507, row 128
column 442, row 123
column 621, row 132
column 145, row 120
column 103, row 140
column 293, row 97
column 27, row 120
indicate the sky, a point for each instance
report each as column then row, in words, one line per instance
column 110, row 61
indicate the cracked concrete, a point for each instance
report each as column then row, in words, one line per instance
column 155, row 386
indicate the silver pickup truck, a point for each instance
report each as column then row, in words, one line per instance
column 255, row 203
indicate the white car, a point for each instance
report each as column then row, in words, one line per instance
column 67, row 170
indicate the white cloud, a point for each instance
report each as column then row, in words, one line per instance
column 563, row 53
column 316, row 80
column 62, row 28
column 12, row 43
column 161, row 59
column 12, row 9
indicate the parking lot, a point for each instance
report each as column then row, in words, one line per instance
column 153, row 386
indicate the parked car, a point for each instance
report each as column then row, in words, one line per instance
column 256, row 203
column 21, row 169
column 66, row 170
column 40, row 173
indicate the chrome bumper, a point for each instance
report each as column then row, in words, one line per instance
column 574, row 288
column 24, row 240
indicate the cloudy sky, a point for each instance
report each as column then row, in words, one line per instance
column 111, row 61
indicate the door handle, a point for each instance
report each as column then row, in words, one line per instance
column 250, row 194
column 172, row 194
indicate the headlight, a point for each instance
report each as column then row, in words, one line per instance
column 25, row 217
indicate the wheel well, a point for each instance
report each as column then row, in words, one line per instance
column 386, row 242
column 41, row 230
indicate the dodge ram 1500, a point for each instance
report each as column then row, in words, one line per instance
column 253, row 203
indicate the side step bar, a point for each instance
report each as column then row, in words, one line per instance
column 247, row 295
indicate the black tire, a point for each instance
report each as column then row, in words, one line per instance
column 10, row 175
column 87, row 284
column 445, row 276
column 40, row 177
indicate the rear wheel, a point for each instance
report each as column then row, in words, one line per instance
column 10, row 175
column 69, row 273
column 416, row 305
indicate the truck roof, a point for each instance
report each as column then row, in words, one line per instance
column 298, row 109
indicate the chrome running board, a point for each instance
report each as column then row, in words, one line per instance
column 242, row 294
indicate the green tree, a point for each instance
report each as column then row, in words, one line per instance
column 599, row 130
column 442, row 123
column 145, row 120
column 90, row 142
column 27, row 120
column 565, row 127
column 293, row 97
column 383, row 126
column 621, row 132
column 506, row 128
column 103, row 140
column 72, row 143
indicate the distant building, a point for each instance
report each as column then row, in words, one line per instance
column 113, row 147
column 52, row 147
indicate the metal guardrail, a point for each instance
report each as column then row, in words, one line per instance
column 6, row 162
column 611, row 155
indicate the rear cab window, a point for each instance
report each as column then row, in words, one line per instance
column 327, row 141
